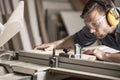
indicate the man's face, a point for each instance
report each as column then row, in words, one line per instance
column 97, row 24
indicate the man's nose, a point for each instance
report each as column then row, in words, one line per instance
column 92, row 30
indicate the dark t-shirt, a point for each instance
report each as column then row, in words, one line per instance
column 85, row 38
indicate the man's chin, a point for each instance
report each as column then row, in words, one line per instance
column 100, row 37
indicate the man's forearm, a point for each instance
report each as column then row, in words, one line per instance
column 112, row 57
column 67, row 42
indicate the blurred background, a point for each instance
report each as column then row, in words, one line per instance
column 44, row 21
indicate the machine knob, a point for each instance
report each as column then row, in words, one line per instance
column 66, row 50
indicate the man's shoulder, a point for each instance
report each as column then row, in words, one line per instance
column 118, row 8
column 118, row 29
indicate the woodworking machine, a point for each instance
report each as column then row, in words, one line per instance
column 51, row 65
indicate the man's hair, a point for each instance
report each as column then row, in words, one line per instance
column 92, row 5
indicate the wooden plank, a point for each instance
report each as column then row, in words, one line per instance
column 14, row 23
column 72, row 21
column 8, row 7
column 41, row 20
column 4, row 19
column 34, row 25
column 15, row 41
column 28, row 24
column 1, row 12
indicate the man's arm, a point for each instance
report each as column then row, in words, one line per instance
column 101, row 55
column 67, row 42
column 112, row 57
column 63, row 43
column 83, row 37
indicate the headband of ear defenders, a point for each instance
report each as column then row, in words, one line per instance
column 103, row 3
column 112, row 14
column 118, row 10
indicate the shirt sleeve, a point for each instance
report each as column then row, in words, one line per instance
column 84, row 37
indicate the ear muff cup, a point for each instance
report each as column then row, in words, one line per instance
column 111, row 18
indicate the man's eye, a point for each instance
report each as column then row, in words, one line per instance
column 94, row 24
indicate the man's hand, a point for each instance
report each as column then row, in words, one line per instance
column 46, row 47
column 97, row 52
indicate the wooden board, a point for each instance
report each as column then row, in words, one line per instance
column 72, row 21
column 13, row 25
column 41, row 20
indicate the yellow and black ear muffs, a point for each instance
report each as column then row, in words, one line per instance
column 112, row 14
column 113, row 17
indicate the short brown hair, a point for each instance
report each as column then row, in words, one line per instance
column 101, row 5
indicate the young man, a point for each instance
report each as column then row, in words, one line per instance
column 102, row 23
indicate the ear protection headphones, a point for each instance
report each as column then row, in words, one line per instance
column 112, row 14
